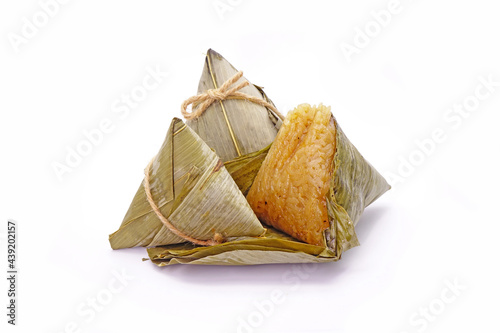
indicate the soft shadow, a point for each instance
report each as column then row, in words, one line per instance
column 368, row 220
column 256, row 274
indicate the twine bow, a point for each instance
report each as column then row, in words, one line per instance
column 226, row 91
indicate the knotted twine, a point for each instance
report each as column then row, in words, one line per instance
column 202, row 102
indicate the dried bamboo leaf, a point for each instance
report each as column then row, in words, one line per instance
column 248, row 257
column 270, row 248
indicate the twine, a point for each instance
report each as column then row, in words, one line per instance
column 204, row 100
column 218, row 238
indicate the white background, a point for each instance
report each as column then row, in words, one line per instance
column 439, row 224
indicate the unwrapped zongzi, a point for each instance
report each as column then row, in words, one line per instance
column 290, row 189
column 310, row 169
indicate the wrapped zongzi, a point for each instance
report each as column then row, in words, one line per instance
column 233, row 127
column 193, row 190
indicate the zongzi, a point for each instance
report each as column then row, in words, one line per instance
column 233, row 127
column 193, row 190
column 293, row 185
